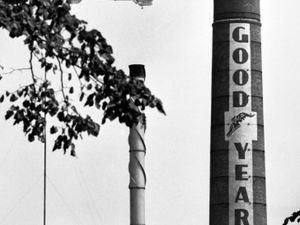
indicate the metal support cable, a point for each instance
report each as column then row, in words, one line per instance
column 76, row 220
column 7, row 153
column 78, row 167
column 89, row 199
column 26, row 193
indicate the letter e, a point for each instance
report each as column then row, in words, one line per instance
column 239, row 173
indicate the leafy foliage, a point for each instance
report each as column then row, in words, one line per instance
column 295, row 216
column 61, row 44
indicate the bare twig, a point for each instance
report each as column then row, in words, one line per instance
column 76, row 72
column 61, row 79
column 31, row 67
column 96, row 80
column 15, row 70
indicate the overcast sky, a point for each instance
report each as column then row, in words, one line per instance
column 173, row 39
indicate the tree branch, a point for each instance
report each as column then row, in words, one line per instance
column 31, row 67
column 61, row 79
column 15, row 70
column 81, row 85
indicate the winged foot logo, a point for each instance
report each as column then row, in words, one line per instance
column 236, row 120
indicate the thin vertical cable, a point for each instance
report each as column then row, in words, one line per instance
column 45, row 171
column 45, row 160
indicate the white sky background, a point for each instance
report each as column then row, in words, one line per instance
column 173, row 39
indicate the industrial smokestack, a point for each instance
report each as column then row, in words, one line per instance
column 237, row 175
column 137, row 151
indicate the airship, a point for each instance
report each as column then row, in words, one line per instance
column 141, row 3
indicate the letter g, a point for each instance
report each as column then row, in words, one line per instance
column 238, row 37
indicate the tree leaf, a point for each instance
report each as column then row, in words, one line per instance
column 73, row 152
column 160, row 107
column 26, row 103
column 53, row 130
column 81, row 96
column 31, row 137
column 89, row 87
column 71, row 91
column 13, row 98
column 9, row 114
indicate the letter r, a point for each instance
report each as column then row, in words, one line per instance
column 241, row 217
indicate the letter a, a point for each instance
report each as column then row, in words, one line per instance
column 242, row 195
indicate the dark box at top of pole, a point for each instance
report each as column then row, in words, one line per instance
column 224, row 9
column 237, row 175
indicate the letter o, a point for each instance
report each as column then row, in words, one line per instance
column 240, row 55
column 240, row 77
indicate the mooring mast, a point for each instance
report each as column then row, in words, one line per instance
column 237, row 175
column 137, row 151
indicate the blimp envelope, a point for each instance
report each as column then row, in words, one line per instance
column 143, row 2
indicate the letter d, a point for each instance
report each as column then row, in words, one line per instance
column 240, row 99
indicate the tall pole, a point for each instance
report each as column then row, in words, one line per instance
column 45, row 162
column 137, row 152
column 45, row 180
column 237, row 175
